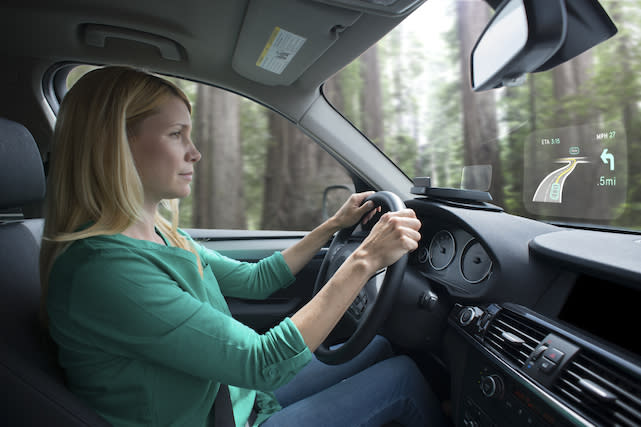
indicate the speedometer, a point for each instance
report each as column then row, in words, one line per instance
column 442, row 250
column 475, row 262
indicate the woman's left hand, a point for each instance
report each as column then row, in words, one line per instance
column 352, row 210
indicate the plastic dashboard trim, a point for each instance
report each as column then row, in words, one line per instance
column 613, row 255
column 569, row 414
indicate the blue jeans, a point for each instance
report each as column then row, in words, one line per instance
column 370, row 390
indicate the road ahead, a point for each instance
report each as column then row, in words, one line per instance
column 550, row 189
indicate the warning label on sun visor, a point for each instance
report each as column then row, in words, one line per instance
column 279, row 51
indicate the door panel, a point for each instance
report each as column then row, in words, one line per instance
column 251, row 246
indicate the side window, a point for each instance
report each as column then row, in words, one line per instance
column 258, row 171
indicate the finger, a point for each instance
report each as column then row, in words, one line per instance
column 414, row 235
column 359, row 197
column 369, row 205
column 406, row 213
column 409, row 244
column 407, row 227
column 371, row 214
column 413, row 223
column 405, row 217
column 403, row 213
column 367, row 217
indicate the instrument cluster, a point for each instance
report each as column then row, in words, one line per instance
column 454, row 257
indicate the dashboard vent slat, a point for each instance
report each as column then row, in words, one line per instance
column 594, row 386
column 513, row 337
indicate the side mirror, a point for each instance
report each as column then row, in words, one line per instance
column 521, row 36
column 333, row 198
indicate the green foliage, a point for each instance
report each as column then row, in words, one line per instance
column 403, row 150
column 445, row 137
column 351, row 87
column 516, row 108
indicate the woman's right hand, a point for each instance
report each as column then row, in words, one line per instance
column 395, row 234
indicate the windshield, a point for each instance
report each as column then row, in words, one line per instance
column 562, row 147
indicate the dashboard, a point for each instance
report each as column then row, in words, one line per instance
column 478, row 252
column 541, row 321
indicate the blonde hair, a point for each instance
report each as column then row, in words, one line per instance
column 93, row 181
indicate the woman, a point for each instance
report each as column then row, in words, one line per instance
column 137, row 308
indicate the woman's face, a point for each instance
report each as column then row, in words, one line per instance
column 164, row 153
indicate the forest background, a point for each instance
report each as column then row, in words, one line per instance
column 410, row 95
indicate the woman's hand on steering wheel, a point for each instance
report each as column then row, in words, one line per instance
column 354, row 209
column 395, row 234
column 386, row 245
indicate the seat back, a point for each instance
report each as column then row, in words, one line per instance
column 31, row 380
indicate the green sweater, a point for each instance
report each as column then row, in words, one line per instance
column 146, row 341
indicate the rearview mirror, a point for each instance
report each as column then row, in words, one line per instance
column 521, row 36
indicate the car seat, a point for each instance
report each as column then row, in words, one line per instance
column 31, row 380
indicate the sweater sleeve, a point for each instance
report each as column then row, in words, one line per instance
column 248, row 280
column 123, row 303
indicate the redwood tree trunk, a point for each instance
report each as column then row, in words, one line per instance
column 218, row 183
column 480, row 129
column 296, row 173
column 371, row 97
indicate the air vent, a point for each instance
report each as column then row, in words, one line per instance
column 601, row 391
column 513, row 337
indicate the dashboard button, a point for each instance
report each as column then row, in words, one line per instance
column 547, row 366
column 467, row 315
column 491, row 386
column 554, row 354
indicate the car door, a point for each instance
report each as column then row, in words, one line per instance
column 252, row 246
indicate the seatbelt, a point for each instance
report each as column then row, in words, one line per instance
column 223, row 410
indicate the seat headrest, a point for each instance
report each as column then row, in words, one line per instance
column 22, row 178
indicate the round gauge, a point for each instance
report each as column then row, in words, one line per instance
column 442, row 249
column 475, row 262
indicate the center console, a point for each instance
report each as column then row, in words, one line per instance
column 495, row 398
column 522, row 369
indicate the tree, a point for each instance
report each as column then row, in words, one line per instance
column 218, row 200
column 399, row 100
column 296, row 172
column 254, row 131
column 442, row 154
column 631, row 122
column 371, row 97
column 519, row 119
column 480, row 128
column 574, row 110
column 617, row 62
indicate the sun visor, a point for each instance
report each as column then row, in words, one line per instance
column 393, row 8
column 280, row 39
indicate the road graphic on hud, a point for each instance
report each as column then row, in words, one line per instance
column 550, row 190
column 576, row 171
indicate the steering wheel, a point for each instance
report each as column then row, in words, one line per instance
column 371, row 307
